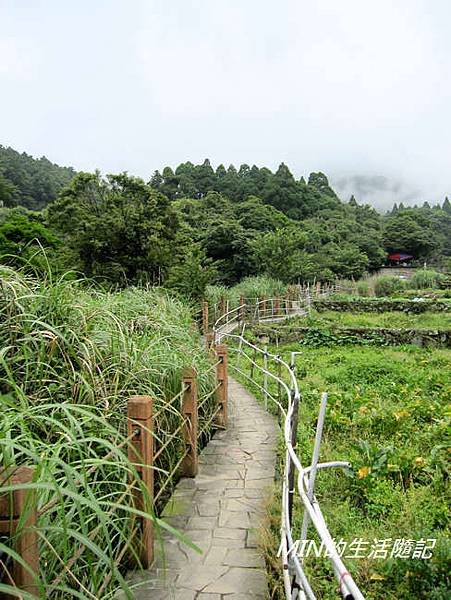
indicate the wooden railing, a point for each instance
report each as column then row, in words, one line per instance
column 151, row 437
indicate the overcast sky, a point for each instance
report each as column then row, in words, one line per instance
column 349, row 87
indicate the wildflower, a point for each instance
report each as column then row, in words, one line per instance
column 363, row 472
column 402, row 414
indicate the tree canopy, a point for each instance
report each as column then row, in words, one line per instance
column 118, row 227
column 194, row 225
column 30, row 182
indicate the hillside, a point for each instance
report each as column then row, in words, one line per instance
column 30, row 182
column 197, row 225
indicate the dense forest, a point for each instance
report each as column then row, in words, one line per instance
column 198, row 225
column 30, row 182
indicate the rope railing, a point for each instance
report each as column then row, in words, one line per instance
column 296, row 582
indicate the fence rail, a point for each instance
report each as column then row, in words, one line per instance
column 296, row 477
column 253, row 308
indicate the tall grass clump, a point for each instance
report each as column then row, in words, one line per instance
column 249, row 287
column 426, row 278
column 215, row 293
column 70, row 357
column 363, row 288
column 256, row 287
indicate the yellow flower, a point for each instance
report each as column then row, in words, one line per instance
column 419, row 461
column 401, row 414
column 363, row 472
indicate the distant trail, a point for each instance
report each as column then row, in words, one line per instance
column 219, row 510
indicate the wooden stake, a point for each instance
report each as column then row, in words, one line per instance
column 189, row 412
column 287, row 303
column 241, row 309
column 210, row 341
column 205, row 327
column 16, row 508
column 221, row 378
column 140, row 453
column 223, row 306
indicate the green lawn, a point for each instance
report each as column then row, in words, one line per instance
column 388, row 413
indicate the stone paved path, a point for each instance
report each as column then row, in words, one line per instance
column 219, row 510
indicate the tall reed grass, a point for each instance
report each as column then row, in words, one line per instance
column 249, row 287
column 70, row 357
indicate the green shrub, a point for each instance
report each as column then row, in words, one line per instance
column 387, row 286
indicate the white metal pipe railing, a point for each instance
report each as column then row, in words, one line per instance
column 291, row 563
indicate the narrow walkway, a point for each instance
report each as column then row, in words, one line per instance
column 219, row 510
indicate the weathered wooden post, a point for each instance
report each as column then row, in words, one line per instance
column 222, row 382
column 287, row 303
column 140, row 453
column 223, row 307
column 189, row 412
column 210, row 341
column 205, row 327
column 241, row 309
column 19, row 507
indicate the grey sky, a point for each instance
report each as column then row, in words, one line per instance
column 349, row 87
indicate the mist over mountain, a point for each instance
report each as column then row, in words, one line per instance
column 380, row 191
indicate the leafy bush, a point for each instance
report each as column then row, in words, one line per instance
column 387, row 286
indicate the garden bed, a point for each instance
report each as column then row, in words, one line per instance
column 392, row 328
column 387, row 414
column 317, row 336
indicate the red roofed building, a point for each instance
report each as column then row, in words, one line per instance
column 399, row 258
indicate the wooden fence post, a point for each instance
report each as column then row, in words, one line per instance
column 12, row 507
column 205, row 327
column 140, row 452
column 223, row 307
column 241, row 309
column 277, row 306
column 210, row 341
column 189, row 411
column 287, row 303
column 222, row 381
